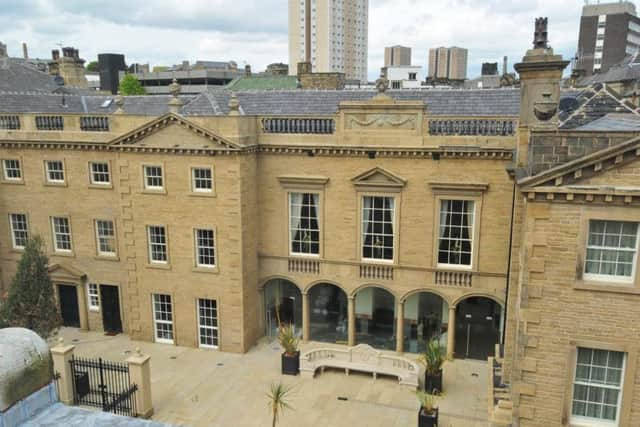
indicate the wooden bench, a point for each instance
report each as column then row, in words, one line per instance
column 361, row 358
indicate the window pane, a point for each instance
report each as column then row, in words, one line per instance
column 303, row 223
column 611, row 248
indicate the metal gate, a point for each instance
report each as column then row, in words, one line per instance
column 103, row 384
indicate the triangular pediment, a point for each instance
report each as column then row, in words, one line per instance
column 379, row 177
column 60, row 271
column 172, row 131
column 588, row 170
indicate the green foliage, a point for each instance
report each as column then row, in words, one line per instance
column 278, row 400
column 434, row 356
column 31, row 303
column 92, row 66
column 288, row 339
column 428, row 401
column 129, row 85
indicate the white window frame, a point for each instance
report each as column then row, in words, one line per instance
column 146, row 177
column 393, row 224
column 199, row 247
column 93, row 296
column 49, row 171
column 212, row 328
column 195, row 179
column 56, row 233
column 581, row 421
column 14, row 230
column 93, row 173
column 6, row 168
column 611, row 278
column 168, row 300
column 164, row 244
column 112, row 237
column 472, row 233
column 291, row 235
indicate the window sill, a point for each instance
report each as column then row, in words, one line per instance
column 210, row 270
column 94, row 309
column 304, row 256
column 202, row 194
column 612, row 287
column 55, row 184
column 158, row 266
column 154, row 192
column 389, row 263
column 68, row 254
column 13, row 182
column 17, row 250
column 454, row 267
column 101, row 186
column 107, row 258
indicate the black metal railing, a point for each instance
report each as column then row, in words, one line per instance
column 49, row 123
column 298, row 126
column 94, row 124
column 9, row 122
column 103, row 384
column 482, row 127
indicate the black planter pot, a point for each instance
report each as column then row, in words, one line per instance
column 433, row 382
column 427, row 420
column 290, row 364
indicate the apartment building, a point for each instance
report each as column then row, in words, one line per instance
column 608, row 32
column 338, row 36
column 396, row 56
column 448, row 63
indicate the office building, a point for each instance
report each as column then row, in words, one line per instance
column 448, row 63
column 395, row 56
column 338, row 31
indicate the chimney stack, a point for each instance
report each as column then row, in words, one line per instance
column 25, row 52
column 55, row 54
column 247, row 70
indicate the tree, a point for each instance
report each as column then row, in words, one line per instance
column 92, row 66
column 31, row 303
column 278, row 401
column 129, row 85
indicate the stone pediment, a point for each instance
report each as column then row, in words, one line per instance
column 60, row 271
column 172, row 131
column 379, row 177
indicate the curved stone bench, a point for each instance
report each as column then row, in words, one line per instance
column 361, row 358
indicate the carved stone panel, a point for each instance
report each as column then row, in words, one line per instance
column 379, row 121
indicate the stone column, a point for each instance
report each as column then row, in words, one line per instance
column 82, row 307
column 140, row 374
column 451, row 332
column 61, row 355
column 351, row 314
column 400, row 327
column 306, row 328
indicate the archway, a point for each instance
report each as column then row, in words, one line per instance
column 426, row 315
column 328, row 319
column 478, row 327
column 283, row 305
column 375, row 318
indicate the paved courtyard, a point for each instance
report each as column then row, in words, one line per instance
column 194, row 387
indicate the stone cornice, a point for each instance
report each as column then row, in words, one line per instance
column 597, row 195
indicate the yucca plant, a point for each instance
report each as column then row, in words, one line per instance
column 288, row 339
column 428, row 401
column 278, row 401
column 434, row 356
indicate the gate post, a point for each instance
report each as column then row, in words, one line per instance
column 140, row 375
column 61, row 355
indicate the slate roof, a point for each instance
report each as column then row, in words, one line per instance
column 498, row 102
column 263, row 83
column 627, row 69
column 16, row 75
column 592, row 104
column 614, row 122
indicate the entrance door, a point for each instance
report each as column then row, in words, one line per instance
column 68, row 296
column 477, row 328
column 110, row 309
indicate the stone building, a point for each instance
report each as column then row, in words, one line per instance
column 480, row 217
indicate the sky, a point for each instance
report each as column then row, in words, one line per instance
column 165, row 32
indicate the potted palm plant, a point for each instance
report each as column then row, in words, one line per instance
column 428, row 412
column 278, row 401
column 291, row 355
column 433, row 358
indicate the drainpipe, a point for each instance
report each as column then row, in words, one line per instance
column 506, row 297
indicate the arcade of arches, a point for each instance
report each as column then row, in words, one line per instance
column 372, row 316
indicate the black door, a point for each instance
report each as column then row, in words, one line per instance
column 69, row 305
column 110, row 309
column 477, row 328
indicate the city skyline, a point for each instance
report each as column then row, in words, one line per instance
column 257, row 32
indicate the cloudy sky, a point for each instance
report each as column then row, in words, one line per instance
column 164, row 32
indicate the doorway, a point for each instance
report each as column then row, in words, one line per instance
column 478, row 324
column 68, row 297
column 110, row 298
